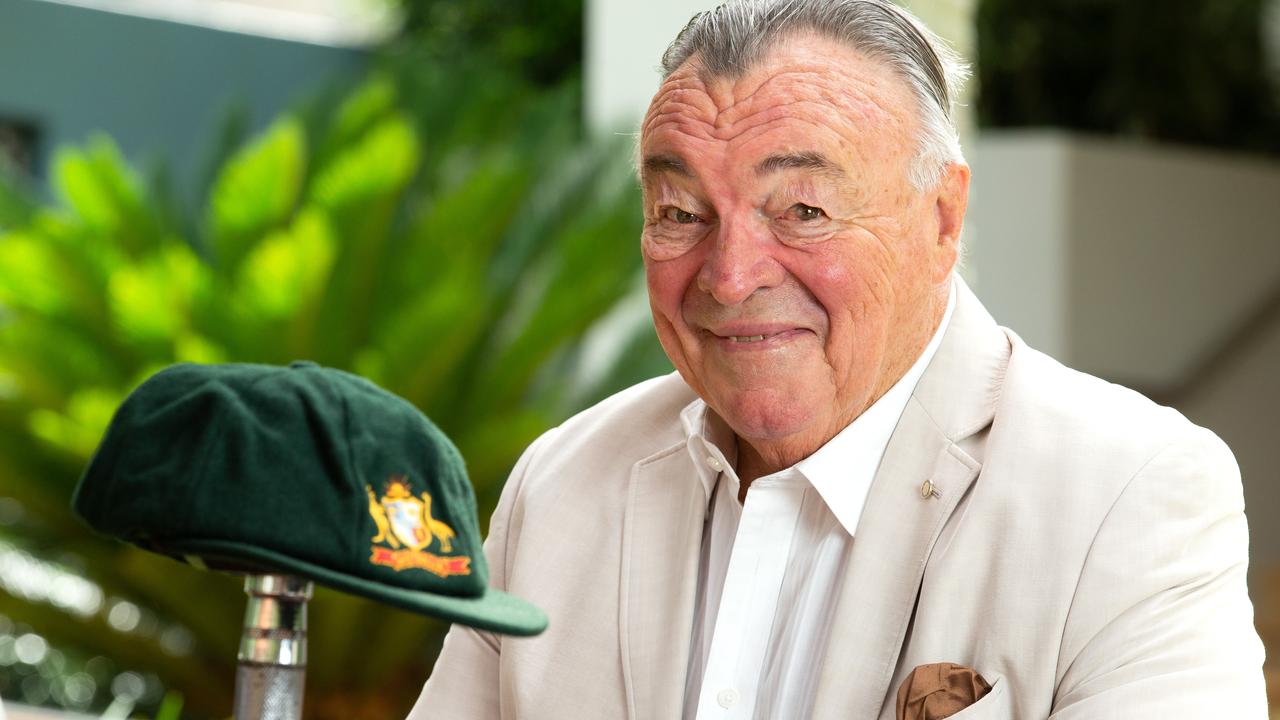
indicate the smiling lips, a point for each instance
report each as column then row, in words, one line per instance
column 752, row 338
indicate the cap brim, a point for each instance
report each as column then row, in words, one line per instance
column 496, row 611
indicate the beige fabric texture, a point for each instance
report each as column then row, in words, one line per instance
column 1084, row 550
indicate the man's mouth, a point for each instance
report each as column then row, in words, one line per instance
column 762, row 337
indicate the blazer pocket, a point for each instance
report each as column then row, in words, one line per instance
column 995, row 704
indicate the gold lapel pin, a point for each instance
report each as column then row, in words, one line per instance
column 928, row 490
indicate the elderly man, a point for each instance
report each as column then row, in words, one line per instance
column 859, row 492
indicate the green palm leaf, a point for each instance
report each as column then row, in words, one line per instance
column 257, row 191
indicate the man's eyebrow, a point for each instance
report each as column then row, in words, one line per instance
column 666, row 163
column 807, row 160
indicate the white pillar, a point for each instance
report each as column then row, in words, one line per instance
column 625, row 40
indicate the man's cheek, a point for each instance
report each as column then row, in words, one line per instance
column 851, row 286
column 667, row 284
column 677, row 348
column 664, row 323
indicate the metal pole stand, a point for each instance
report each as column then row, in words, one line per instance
column 273, row 648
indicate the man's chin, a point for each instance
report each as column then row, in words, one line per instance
column 773, row 420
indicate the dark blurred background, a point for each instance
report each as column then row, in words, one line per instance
column 439, row 196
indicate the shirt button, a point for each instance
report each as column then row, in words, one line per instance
column 727, row 698
column 714, row 463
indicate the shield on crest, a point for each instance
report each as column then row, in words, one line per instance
column 404, row 515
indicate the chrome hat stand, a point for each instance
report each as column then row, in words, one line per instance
column 272, row 666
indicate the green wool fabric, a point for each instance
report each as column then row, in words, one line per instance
column 303, row 470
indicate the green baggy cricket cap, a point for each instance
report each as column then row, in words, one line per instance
column 300, row 470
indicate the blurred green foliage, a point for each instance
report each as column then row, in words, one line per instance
column 1190, row 71
column 445, row 231
column 541, row 38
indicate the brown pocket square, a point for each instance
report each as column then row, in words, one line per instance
column 939, row 690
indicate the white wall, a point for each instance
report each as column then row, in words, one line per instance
column 1129, row 261
column 72, row 71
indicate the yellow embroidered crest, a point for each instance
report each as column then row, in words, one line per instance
column 406, row 529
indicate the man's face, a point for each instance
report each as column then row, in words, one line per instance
column 794, row 273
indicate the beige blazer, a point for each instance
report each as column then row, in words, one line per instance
column 1085, row 551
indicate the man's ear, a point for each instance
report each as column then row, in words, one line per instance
column 952, row 200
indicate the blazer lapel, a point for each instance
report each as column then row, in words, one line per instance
column 895, row 535
column 904, row 516
column 661, row 547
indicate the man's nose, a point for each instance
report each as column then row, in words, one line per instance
column 739, row 262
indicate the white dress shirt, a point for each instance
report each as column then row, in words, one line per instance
column 772, row 567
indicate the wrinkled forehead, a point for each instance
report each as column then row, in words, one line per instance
column 835, row 91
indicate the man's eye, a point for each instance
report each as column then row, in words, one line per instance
column 683, row 217
column 805, row 213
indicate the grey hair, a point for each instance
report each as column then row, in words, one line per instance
column 732, row 38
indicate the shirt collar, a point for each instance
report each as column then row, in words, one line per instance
column 842, row 469
column 711, row 442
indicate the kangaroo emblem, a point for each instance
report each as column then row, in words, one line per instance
column 380, row 519
column 443, row 532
